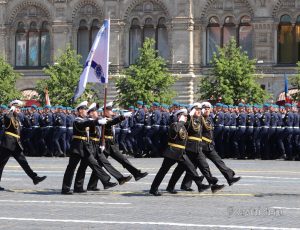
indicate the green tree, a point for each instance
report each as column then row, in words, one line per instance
column 295, row 82
column 8, row 78
column 232, row 77
column 63, row 80
column 148, row 80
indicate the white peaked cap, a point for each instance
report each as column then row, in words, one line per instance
column 184, row 111
column 82, row 104
column 16, row 102
column 197, row 105
column 205, row 104
column 92, row 106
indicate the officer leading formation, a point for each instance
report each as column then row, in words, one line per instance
column 187, row 135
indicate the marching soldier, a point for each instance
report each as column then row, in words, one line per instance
column 11, row 144
column 82, row 150
column 195, row 154
column 112, row 149
column 175, row 153
column 94, row 136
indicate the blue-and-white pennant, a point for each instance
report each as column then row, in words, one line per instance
column 96, row 65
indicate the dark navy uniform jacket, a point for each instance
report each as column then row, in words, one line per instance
column 219, row 119
column 257, row 119
column 227, row 119
column 241, row 119
column 233, row 119
column 265, row 119
column 273, row 120
column 60, row 120
column 139, row 117
column 288, row 120
column 156, row 118
column 34, row 119
column 250, row 119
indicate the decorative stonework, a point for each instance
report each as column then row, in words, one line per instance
column 288, row 5
column 137, row 5
column 23, row 10
column 87, row 7
column 234, row 6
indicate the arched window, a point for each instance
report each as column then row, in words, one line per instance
column 149, row 31
column 86, row 35
column 246, row 35
column 162, row 38
column 135, row 40
column 229, row 30
column 83, row 40
column 297, row 33
column 45, row 44
column 33, row 35
column 138, row 33
column 213, row 37
column 21, row 47
column 94, row 30
column 32, row 46
column 216, row 36
column 285, row 41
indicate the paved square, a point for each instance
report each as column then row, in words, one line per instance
column 267, row 197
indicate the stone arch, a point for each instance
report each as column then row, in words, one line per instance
column 210, row 3
column 87, row 2
column 21, row 6
column 136, row 2
column 283, row 5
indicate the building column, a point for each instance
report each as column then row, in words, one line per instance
column 3, row 50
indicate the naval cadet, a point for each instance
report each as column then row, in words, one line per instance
column 175, row 153
column 11, row 144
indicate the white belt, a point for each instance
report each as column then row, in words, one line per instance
column 70, row 128
column 139, row 124
column 296, row 127
column 250, row 127
column 35, row 126
column 155, row 125
column 273, row 127
column 148, row 127
column 226, row 126
column 62, row 127
column 289, row 127
column 233, row 127
column 242, row 126
column 125, row 129
column 266, row 127
column 49, row 126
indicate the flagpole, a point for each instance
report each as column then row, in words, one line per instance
column 104, row 112
column 105, row 86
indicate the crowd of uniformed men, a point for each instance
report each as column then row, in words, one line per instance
column 244, row 131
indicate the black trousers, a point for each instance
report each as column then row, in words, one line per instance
column 20, row 158
column 113, row 151
column 218, row 162
column 199, row 161
column 90, row 160
column 103, row 162
column 167, row 164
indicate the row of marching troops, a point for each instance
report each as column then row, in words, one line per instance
column 189, row 145
column 45, row 131
column 243, row 131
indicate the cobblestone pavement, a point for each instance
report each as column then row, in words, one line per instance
column 267, row 197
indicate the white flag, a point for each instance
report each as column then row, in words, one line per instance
column 96, row 65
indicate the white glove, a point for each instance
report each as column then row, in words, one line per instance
column 13, row 108
column 192, row 112
column 127, row 114
column 102, row 148
column 102, row 121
